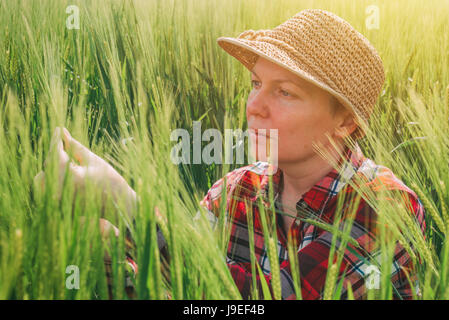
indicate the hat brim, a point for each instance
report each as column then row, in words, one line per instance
column 248, row 51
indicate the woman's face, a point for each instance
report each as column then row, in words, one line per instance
column 299, row 110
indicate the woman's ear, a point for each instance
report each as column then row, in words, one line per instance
column 346, row 124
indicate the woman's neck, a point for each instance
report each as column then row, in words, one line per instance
column 300, row 177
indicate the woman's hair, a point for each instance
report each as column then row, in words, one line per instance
column 335, row 105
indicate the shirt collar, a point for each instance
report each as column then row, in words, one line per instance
column 318, row 196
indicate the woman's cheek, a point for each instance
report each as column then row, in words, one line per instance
column 287, row 141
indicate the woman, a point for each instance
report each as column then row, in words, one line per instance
column 316, row 80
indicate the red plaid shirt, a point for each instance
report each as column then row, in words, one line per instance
column 314, row 243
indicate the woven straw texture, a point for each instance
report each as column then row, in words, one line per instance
column 324, row 49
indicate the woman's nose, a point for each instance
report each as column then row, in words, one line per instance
column 257, row 104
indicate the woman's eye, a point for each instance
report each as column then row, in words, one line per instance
column 285, row 93
column 255, row 83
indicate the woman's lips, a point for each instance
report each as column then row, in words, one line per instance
column 260, row 132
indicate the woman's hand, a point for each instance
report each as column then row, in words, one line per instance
column 89, row 166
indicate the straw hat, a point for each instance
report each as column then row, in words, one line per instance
column 324, row 49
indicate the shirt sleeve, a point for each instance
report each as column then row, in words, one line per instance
column 131, row 269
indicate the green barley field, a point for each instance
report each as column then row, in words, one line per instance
column 136, row 70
